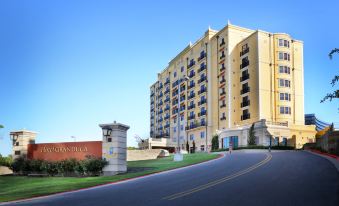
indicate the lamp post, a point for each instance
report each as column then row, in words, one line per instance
column 73, row 137
column 14, row 138
column 106, row 132
column 178, row 155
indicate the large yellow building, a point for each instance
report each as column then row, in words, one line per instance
column 236, row 77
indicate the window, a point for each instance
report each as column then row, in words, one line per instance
column 202, row 135
column 181, row 117
column 17, row 152
column 174, row 129
column 244, row 47
column 192, row 137
column 284, row 83
column 17, row 144
column 202, row 148
column 285, row 110
column 284, row 70
column 175, row 74
column 284, row 43
column 109, row 139
column 175, row 120
column 285, row 96
column 182, row 69
column 284, row 56
column 181, row 127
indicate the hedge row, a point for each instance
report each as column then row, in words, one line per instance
column 70, row 167
column 257, row 147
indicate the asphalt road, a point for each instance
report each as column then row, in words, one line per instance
column 242, row 178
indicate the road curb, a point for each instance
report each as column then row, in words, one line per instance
column 333, row 161
column 111, row 183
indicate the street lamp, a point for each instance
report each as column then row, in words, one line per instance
column 106, row 132
column 178, row 155
column 14, row 138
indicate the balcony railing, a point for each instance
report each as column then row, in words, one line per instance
column 222, row 81
column 222, row 43
column 191, row 117
column 175, row 102
column 222, row 93
column 202, row 55
column 222, row 69
column 182, row 98
column 191, row 86
column 202, row 102
column 222, row 56
column 244, row 64
column 191, row 106
column 201, row 91
column 191, row 96
column 191, row 75
column 223, row 105
column 245, row 116
column 245, row 51
column 167, row 99
column 245, row 90
column 167, row 90
column 245, row 103
column 223, row 118
column 191, row 64
column 202, row 113
column 202, row 79
column 202, row 68
column 195, row 125
column 167, row 81
column 244, row 77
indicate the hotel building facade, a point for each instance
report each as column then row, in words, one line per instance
column 227, row 81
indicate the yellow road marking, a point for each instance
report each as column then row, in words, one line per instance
column 216, row 182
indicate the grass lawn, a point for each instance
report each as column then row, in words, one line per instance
column 18, row 187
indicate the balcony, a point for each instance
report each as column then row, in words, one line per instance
column 160, row 104
column 175, row 111
column 182, row 98
column 175, row 93
column 182, row 108
column 245, row 51
column 223, row 118
column 191, row 75
column 245, row 90
column 202, row 56
column 182, row 88
column 201, row 91
column 195, row 125
column 204, row 101
column 160, row 95
column 245, row 116
column 191, row 106
column 167, row 90
column 167, row 81
column 152, row 94
column 222, row 81
column 245, row 103
column 191, row 96
column 222, row 93
column 222, row 56
column 222, row 69
column 202, row 113
column 174, row 84
column 160, row 87
column 166, row 117
column 244, row 64
column 244, row 77
column 191, row 64
column 222, row 43
column 202, row 68
column 191, row 117
column 175, row 102
column 223, row 105
column 167, row 99
column 191, row 86
column 202, row 79
column 166, row 109
column 167, row 126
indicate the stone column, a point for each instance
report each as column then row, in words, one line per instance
column 114, row 148
column 20, row 141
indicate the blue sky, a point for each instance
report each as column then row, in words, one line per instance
column 67, row 66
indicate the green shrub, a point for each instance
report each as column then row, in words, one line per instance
column 215, row 142
column 93, row 166
column 6, row 161
column 51, row 168
column 67, row 167
column 21, row 165
column 36, row 166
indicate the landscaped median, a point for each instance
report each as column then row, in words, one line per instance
column 20, row 187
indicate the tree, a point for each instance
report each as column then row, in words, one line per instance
column 1, row 126
column 335, row 93
column 215, row 142
column 251, row 136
